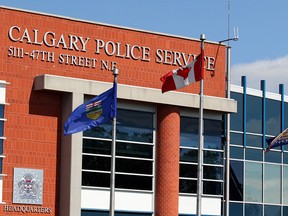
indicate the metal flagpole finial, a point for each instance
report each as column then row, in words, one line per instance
column 115, row 71
column 202, row 37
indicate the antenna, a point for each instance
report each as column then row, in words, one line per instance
column 235, row 37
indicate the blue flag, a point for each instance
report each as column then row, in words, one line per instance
column 280, row 140
column 96, row 111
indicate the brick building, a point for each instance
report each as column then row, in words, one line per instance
column 51, row 64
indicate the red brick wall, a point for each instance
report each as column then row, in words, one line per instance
column 167, row 160
column 33, row 127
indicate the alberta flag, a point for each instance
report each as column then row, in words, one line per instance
column 280, row 140
column 181, row 77
column 93, row 113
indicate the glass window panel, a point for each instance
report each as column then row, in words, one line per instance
column 253, row 182
column 285, row 185
column 236, row 209
column 253, row 210
column 212, row 134
column 187, row 186
column 1, row 128
column 273, row 117
column 133, row 182
column 212, row 157
column 131, row 125
column 285, row 158
column 2, row 111
column 1, row 165
column 134, row 166
column 285, row 210
column 236, row 138
column 272, row 183
column 236, row 119
column 254, row 140
column 271, row 210
column 236, row 152
column 134, row 150
column 188, row 170
column 188, row 155
column 212, row 172
column 189, row 132
column 273, row 157
column 254, row 154
column 254, row 114
column 1, row 146
column 236, row 180
column 96, row 163
column 95, row 179
column 214, row 188
column 102, row 131
column 96, row 146
column 285, row 115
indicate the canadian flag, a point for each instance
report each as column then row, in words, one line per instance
column 181, row 77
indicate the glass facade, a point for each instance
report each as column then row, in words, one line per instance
column 212, row 156
column 134, row 152
column 258, row 180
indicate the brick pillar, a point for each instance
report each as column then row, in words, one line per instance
column 167, row 161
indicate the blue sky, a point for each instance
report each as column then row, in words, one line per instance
column 260, row 53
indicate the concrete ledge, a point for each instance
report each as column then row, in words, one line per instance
column 134, row 93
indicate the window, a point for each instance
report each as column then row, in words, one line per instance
column 272, row 183
column 134, row 152
column 254, row 114
column 236, row 180
column 273, row 117
column 236, row 119
column 253, row 182
column 212, row 156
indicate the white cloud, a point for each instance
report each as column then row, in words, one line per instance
column 274, row 71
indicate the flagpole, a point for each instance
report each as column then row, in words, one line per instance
column 200, row 147
column 113, row 151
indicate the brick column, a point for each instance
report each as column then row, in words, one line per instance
column 167, row 161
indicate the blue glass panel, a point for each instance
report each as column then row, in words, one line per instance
column 133, row 182
column 272, row 183
column 253, row 210
column 236, row 152
column 1, row 146
column 254, row 140
column 285, row 185
column 270, row 210
column 236, row 138
column 95, row 179
column 2, row 111
column 212, row 134
column 254, row 154
column 254, row 114
column 274, row 157
column 285, row 210
column 188, row 155
column 131, row 126
column 1, row 128
column 236, row 119
column 273, row 117
column 189, row 132
column 96, row 146
column 236, row 209
column 236, row 180
column 213, row 172
column 212, row 157
column 253, row 182
column 286, row 115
